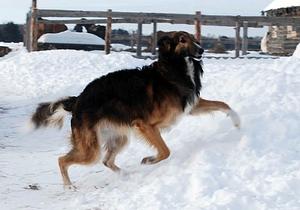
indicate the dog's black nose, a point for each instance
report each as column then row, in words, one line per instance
column 200, row 51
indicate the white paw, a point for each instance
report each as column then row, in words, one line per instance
column 234, row 118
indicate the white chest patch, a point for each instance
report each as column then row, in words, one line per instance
column 190, row 69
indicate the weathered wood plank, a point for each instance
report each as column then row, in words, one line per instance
column 245, row 38
column 218, row 20
column 27, row 32
column 139, row 40
column 260, row 20
column 70, row 13
column 198, row 26
column 115, row 20
column 237, row 39
column 108, row 32
column 79, row 13
column 154, row 38
column 33, row 27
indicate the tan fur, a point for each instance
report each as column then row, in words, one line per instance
column 87, row 140
column 85, row 150
column 152, row 136
column 206, row 106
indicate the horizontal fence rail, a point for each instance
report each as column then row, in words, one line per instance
column 130, row 17
column 46, row 16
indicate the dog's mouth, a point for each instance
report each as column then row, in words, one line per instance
column 199, row 52
column 197, row 57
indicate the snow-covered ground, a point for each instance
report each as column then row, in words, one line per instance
column 213, row 166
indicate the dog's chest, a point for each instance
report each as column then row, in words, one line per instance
column 190, row 69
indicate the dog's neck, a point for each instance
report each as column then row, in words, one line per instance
column 184, row 73
column 181, row 67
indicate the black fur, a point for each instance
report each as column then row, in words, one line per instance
column 130, row 94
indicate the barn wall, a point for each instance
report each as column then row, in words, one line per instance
column 282, row 40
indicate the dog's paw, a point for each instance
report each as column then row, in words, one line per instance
column 149, row 160
column 235, row 118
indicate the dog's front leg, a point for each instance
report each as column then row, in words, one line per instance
column 152, row 136
column 206, row 106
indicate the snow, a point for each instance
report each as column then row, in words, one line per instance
column 119, row 47
column 263, row 44
column 212, row 166
column 70, row 37
column 297, row 51
column 277, row 4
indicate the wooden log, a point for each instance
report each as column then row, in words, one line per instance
column 198, row 26
column 34, row 4
column 99, row 21
column 108, row 32
column 33, row 27
column 116, row 20
column 219, row 20
column 141, row 15
column 139, row 40
column 74, row 21
column 245, row 38
column 237, row 39
column 26, row 35
column 260, row 20
column 70, row 13
column 154, row 38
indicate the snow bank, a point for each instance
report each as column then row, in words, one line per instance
column 276, row 4
column 119, row 47
column 32, row 75
column 297, row 51
column 69, row 37
column 212, row 165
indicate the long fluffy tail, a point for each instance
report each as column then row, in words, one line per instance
column 53, row 113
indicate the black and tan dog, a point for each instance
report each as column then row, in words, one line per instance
column 145, row 100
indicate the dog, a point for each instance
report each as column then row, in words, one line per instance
column 145, row 100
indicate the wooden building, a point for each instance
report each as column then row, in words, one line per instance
column 282, row 40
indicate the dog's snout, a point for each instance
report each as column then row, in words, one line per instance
column 201, row 51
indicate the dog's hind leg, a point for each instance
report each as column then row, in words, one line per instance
column 152, row 136
column 85, row 151
column 206, row 106
column 113, row 146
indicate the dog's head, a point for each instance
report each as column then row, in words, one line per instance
column 180, row 44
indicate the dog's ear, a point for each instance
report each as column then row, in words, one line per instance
column 165, row 45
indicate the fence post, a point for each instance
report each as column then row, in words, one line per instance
column 237, row 39
column 139, row 39
column 132, row 40
column 154, row 38
column 245, row 38
column 198, row 26
column 26, row 36
column 33, row 27
column 108, row 32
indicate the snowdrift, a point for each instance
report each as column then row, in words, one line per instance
column 212, row 165
column 71, row 37
column 296, row 53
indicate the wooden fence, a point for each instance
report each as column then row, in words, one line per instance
column 110, row 17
